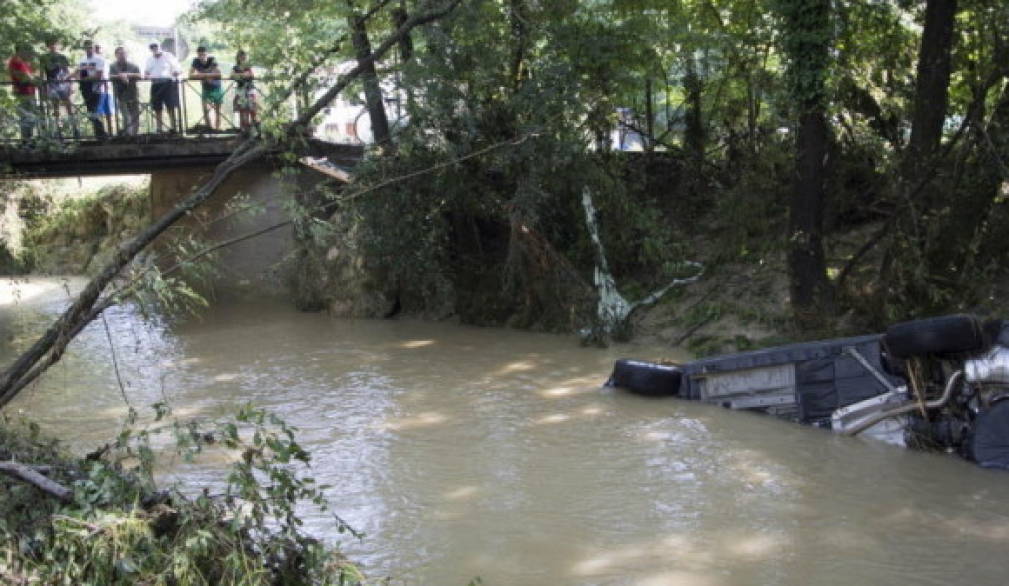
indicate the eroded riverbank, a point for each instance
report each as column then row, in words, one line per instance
column 465, row 452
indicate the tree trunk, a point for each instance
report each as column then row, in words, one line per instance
column 374, row 100
column 807, row 42
column 917, row 236
column 932, row 87
column 520, row 32
column 399, row 17
column 694, row 138
column 810, row 289
column 649, row 139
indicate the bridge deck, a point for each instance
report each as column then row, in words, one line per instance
column 139, row 155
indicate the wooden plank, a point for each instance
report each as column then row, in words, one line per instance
column 326, row 168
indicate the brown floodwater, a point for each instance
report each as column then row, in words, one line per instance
column 466, row 452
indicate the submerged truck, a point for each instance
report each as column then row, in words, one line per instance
column 937, row 384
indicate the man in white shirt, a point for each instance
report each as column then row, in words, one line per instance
column 163, row 69
column 93, row 71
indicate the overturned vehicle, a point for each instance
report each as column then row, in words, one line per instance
column 933, row 384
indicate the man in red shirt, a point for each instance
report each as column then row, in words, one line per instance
column 21, row 74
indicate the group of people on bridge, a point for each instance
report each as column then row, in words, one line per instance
column 42, row 86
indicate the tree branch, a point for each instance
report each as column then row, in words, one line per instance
column 411, row 23
column 30, row 475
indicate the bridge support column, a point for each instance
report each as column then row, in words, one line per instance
column 258, row 267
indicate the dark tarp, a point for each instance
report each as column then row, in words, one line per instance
column 989, row 446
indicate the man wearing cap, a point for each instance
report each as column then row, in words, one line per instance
column 162, row 68
column 21, row 73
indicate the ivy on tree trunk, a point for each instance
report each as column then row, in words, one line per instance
column 806, row 38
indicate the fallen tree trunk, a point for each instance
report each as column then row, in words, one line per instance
column 33, row 476
column 48, row 349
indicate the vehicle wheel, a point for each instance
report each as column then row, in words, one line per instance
column 948, row 334
column 989, row 444
column 646, row 378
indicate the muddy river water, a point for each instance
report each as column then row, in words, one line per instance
column 463, row 452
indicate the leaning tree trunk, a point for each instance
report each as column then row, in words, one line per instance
column 374, row 100
column 932, row 88
column 806, row 38
column 917, row 240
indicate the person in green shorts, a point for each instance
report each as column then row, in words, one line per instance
column 204, row 68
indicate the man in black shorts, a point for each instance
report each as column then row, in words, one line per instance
column 162, row 68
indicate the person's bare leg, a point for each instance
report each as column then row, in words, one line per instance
column 55, row 105
column 70, row 116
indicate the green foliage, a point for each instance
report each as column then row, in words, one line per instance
column 806, row 34
column 33, row 21
column 121, row 530
column 506, row 228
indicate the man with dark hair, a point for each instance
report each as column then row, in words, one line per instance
column 124, row 82
column 204, row 68
column 21, row 73
column 56, row 68
column 91, row 73
column 163, row 69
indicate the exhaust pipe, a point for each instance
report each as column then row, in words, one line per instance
column 906, row 407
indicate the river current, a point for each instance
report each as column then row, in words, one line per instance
column 467, row 452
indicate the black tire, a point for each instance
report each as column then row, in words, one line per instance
column 943, row 336
column 646, row 378
column 989, row 444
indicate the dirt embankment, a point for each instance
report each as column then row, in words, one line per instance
column 73, row 235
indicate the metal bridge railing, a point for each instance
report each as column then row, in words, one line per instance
column 41, row 117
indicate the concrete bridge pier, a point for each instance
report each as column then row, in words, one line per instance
column 259, row 267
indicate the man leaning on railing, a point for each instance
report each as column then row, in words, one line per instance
column 91, row 71
column 163, row 69
column 124, row 76
column 204, row 68
column 25, row 82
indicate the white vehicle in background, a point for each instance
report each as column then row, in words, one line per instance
column 346, row 120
